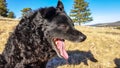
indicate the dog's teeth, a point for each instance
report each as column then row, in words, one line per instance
column 56, row 43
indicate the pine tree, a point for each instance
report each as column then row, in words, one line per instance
column 3, row 8
column 11, row 15
column 25, row 11
column 80, row 13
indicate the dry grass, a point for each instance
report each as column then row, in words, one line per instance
column 6, row 26
column 104, row 44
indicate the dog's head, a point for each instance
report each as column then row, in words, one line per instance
column 59, row 27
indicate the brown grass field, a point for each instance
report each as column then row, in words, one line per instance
column 103, row 42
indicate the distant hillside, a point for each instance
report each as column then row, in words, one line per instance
column 113, row 24
column 7, row 19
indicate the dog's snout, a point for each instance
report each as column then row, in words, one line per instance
column 82, row 38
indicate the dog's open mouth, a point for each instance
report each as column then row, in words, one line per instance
column 59, row 47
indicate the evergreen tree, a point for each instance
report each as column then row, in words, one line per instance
column 80, row 13
column 11, row 15
column 25, row 11
column 3, row 8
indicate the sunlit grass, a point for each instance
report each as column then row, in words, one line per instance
column 104, row 43
column 6, row 26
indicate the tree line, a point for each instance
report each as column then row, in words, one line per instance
column 80, row 13
column 4, row 11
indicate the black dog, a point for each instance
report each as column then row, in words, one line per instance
column 38, row 37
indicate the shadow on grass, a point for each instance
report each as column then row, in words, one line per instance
column 117, row 62
column 75, row 58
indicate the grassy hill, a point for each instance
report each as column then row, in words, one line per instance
column 112, row 24
column 102, row 44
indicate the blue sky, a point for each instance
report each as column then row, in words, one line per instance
column 103, row 11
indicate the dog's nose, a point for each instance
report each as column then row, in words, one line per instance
column 83, row 38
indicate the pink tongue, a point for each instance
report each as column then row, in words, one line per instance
column 60, row 45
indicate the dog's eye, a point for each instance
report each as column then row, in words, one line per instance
column 63, row 27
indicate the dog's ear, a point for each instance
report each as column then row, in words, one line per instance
column 60, row 7
column 48, row 12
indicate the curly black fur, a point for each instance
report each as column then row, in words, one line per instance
column 29, row 46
